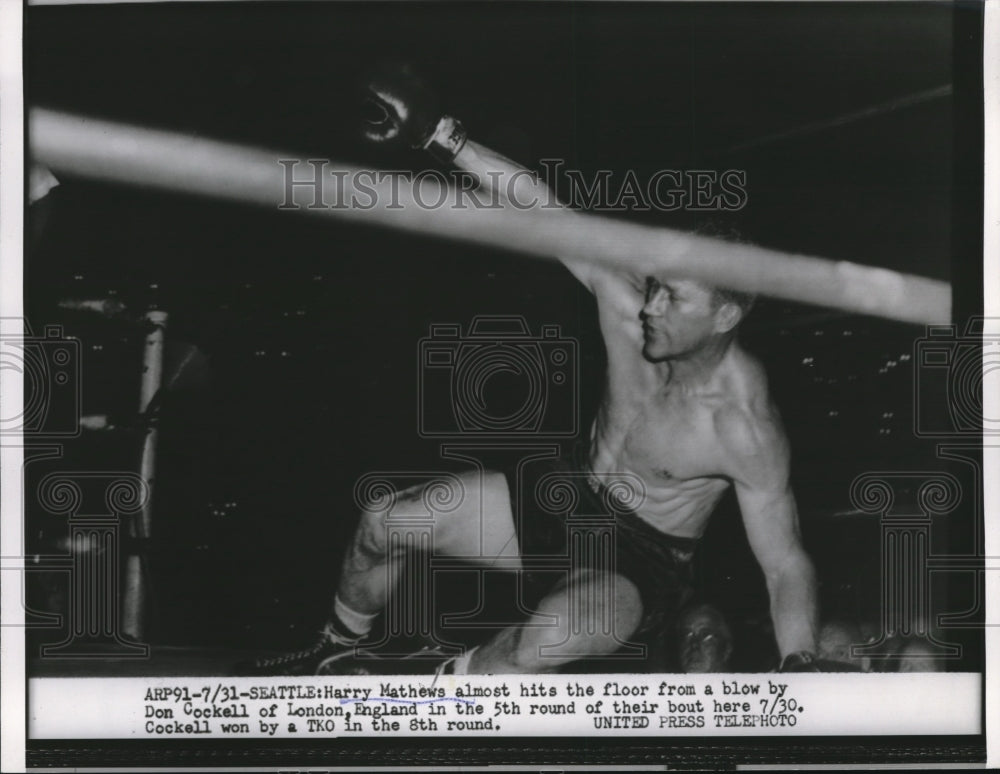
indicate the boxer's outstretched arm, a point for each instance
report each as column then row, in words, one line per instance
column 772, row 529
column 761, row 474
column 516, row 186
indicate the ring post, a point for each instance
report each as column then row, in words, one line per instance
column 135, row 602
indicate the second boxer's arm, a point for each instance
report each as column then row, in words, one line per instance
column 516, row 186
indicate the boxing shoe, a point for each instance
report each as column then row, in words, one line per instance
column 331, row 647
column 423, row 661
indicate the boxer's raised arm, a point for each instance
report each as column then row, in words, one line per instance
column 401, row 107
column 515, row 186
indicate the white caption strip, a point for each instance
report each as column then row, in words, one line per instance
column 575, row 705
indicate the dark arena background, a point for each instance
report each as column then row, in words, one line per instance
column 293, row 344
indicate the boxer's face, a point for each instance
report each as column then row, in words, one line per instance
column 704, row 644
column 679, row 318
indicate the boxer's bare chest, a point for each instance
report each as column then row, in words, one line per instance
column 665, row 436
column 671, row 444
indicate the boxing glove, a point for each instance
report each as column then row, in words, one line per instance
column 401, row 107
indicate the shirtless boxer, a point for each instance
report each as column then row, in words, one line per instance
column 686, row 411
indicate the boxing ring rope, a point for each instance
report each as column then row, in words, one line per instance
column 899, row 103
column 170, row 161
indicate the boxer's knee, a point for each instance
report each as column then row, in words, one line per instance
column 371, row 536
column 369, row 545
column 480, row 525
column 478, row 518
column 626, row 603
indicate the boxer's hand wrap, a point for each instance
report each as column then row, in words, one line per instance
column 802, row 661
column 447, row 140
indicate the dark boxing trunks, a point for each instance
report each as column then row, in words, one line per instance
column 567, row 520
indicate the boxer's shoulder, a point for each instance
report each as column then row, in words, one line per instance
column 746, row 377
column 749, row 427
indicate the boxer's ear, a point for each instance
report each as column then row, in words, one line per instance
column 727, row 317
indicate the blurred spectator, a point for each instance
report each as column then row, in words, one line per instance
column 918, row 656
column 704, row 640
column 835, row 640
